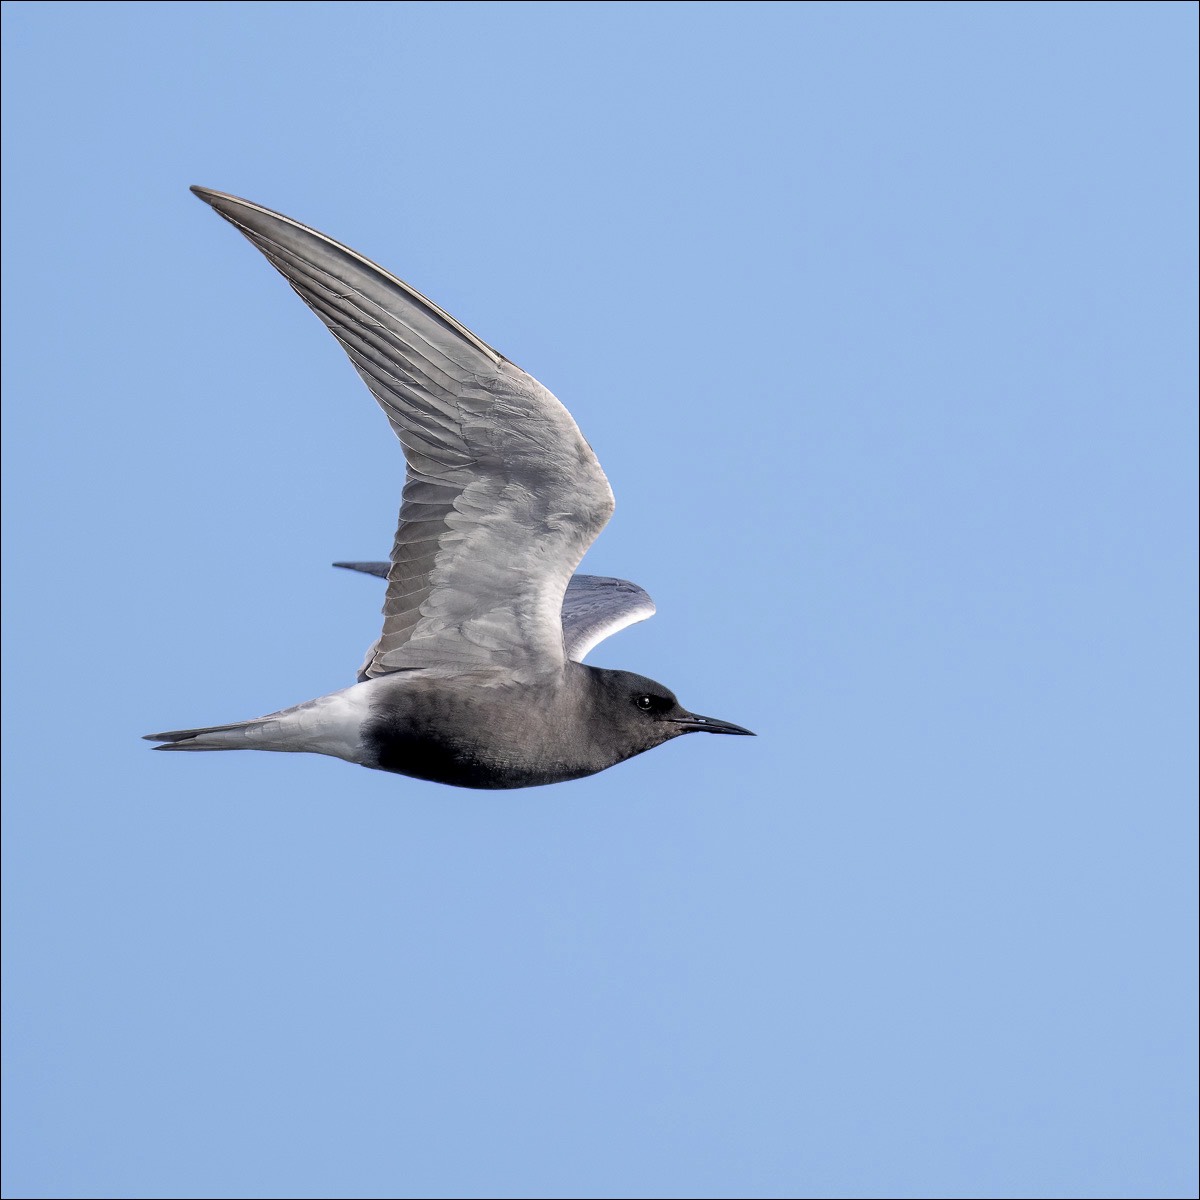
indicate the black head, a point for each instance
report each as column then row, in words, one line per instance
column 642, row 714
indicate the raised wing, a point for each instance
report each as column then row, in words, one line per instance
column 503, row 495
column 594, row 607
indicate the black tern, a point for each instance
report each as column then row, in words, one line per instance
column 478, row 678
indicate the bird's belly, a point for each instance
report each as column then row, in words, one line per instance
column 482, row 758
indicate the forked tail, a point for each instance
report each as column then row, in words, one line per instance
column 328, row 725
column 216, row 737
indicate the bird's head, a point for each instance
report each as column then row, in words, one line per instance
column 643, row 713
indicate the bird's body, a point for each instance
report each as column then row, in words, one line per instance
column 497, row 733
column 478, row 730
column 477, row 678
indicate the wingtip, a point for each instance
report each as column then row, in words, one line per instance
column 218, row 200
column 379, row 569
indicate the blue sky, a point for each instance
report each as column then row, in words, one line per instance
column 881, row 320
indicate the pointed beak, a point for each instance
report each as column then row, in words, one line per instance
column 694, row 724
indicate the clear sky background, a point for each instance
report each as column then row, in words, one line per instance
column 882, row 322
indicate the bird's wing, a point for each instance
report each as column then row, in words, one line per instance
column 379, row 569
column 594, row 607
column 502, row 496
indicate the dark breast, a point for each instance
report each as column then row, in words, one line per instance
column 450, row 740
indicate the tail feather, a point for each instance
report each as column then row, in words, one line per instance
column 328, row 725
column 214, row 737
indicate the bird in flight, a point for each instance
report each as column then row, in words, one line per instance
column 477, row 679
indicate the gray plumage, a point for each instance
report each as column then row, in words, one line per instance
column 594, row 606
column 477, row 677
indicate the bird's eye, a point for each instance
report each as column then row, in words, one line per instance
column 645, row 703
